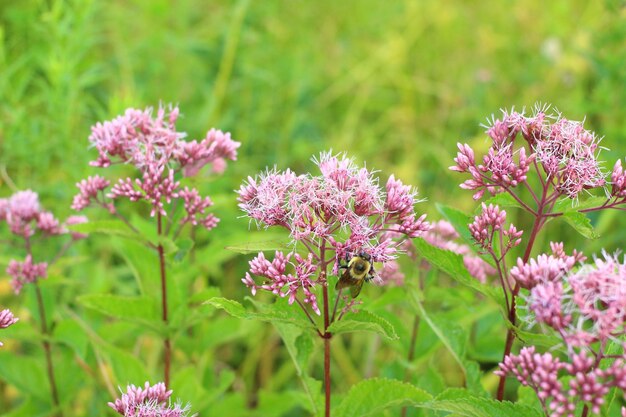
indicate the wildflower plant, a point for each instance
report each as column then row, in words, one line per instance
column 30, row 226
column 163, row 160
column 331, row 217
column 582, row 305
column 549, row 167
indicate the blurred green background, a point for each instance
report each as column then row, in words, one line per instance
column 393, row 83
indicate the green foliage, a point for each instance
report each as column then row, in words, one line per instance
column 364, row 320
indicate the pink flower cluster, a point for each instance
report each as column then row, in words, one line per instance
column 565, row 151
column 26, row 272
column 23, row 214
column 25, row 217
column 160, row 153
column 587, row 384
column 342, row 211
column 281, row 282
column 585, row 305
column 150, row 401
column 489, row 224
column 6, row 319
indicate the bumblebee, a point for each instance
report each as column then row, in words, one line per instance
column 356, row 271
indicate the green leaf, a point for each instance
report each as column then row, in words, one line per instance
column 568, row 205
column 580, row 223
column 300, row 346
column 137, row 308
column 126, row 367
column 271, row 312
column 261, row 246
column 107, row 227
column 70, row 333
column 371, row 396
column 27, row 374
column 464, row 403
column 184, row 247
column 454, row 338
column 364, row 321
column 502, row 200
column 459, row 220
column 452, row 264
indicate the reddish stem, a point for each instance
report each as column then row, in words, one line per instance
column 167, row 345
column 46, row 348
column 327, row 335
column 510, row 334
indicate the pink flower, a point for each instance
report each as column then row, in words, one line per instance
column 6, row 319
column 343, row 210
column 491, row 222
column 618, row 180
column 24, row 205
column 89, row 190
column 566, row 152
column 72, row 220
column 26, row 272
column 47, row 223
column 535, row 370
column 150, row 401
column 282, row 282
column 161, row 155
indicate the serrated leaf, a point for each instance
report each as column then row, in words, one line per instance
column 364, row 321
column 122, row 307
column 261, row 246
column 580, row 223
column 452, row 264
column 372, row 396
column 464, row 403
column 271, row 313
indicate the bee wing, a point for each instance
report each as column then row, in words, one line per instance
column 345, row 281
column 355, row 290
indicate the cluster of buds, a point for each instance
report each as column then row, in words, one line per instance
column 162, row 156
column 335, row 215
column 26, row 218
column 562, row 152
column 489, row 224
column 545, row 373
column 584, row 305
column 150, row 401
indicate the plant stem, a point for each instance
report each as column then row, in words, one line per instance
column 326, row 335
column 167, row 345
column 411, row 355
column 510, row 334
column 46, row 348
